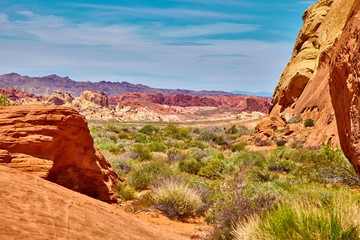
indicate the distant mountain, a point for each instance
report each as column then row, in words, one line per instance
column 48, row 84
column 258, row 94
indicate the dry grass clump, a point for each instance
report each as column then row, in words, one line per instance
column 176, row 199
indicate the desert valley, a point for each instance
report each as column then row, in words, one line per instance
column 116, row 160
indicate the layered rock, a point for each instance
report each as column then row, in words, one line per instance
column 303, row 90
column 54, row 143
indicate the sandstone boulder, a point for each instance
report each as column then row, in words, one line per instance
column 54, row 143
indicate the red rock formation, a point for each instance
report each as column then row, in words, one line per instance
column 343, row 66
column 242, row 103
column 303, row 89
column 19, row 96
column 98, row 98
column 54, row 143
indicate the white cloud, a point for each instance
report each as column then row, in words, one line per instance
column 207, row 30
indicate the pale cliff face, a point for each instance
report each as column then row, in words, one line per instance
column 303, row 89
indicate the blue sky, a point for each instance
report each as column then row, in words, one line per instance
column 188, row 44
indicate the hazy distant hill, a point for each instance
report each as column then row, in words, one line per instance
column 47, row 84
column 258, row 94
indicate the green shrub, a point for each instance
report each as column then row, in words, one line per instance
column 139, row 137
column 149, row 129
column 125, row 192
column 149, row 172
column 231, row 130
column 108, row 145
column 142, row 151
column 176, row 199
column 309, row 122
column 156, row 147
column 122, row 167
column 191, row 165
column 112, row 128
column 238, row 147
column 4, row 101
column 175, row 155
column 177, row 132
column 213, row 168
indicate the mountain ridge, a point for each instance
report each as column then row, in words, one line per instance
column 42, row 86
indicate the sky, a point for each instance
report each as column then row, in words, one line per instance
column 188, row 44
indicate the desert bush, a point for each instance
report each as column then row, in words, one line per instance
column 177, row 132
column 213, row 168
column 149, row 129
column 139, row 137
column 125, row 192
column 176, row 199
column 309, row 122
column 234, row 207
column 112, row 128
column 147, row 173
column 108, row 145
column 238, row 147
column 247, row 159
column 175, row 155
column 195, row 144
column 122, row 167
column 191, row 165
column 156, row 147
column 142, row 151
column 231, row 130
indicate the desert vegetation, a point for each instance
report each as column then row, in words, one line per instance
column 209, row 172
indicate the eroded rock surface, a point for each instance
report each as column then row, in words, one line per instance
column 54, row 143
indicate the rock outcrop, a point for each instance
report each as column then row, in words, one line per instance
column 54, row 143
column 303, row 89
column 59, row 98
column 98, row 98
column 343, row 65
column 236, row 102
column 32, row 208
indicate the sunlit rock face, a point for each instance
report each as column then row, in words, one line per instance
column 303, row 89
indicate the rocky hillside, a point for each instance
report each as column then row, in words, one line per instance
column 303, row 89
column 48, row 84
column 242, row 103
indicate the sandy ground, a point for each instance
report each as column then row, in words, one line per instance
column 33, row 208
